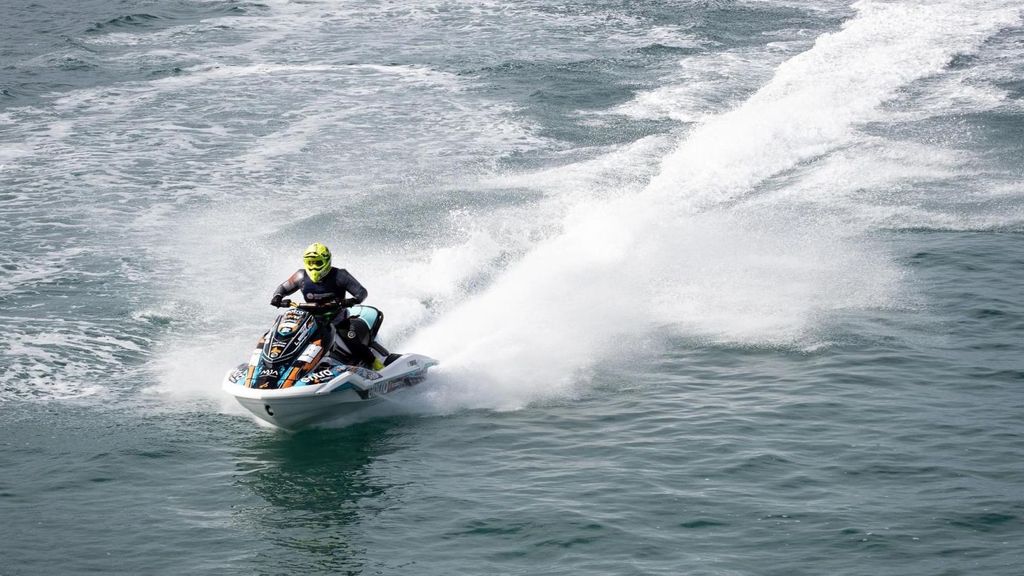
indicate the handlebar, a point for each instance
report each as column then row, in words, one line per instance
column 312, row 306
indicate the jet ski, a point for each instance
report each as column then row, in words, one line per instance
column 301, row 373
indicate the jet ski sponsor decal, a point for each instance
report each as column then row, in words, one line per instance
column 322, row 376
column 388, row 387
column 312, row 351
column 365, row 373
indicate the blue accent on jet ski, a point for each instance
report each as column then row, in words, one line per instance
column 367, row 314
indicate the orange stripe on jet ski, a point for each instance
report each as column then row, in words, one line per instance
column 291, row 377
column 248, row 376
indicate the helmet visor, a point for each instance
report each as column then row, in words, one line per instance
column 315, row 262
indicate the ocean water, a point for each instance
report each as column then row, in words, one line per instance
column 717, row 287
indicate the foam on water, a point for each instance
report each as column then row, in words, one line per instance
column 685, row 251
column 705, row 85
column 815, row 100
column 751, row 230
column 61, row 359
column 711, row 248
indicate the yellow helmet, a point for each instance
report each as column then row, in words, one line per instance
column 317, row 261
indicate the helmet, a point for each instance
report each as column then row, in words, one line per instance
column 317, row 261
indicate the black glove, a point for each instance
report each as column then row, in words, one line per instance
column 276, row 300
column 344, row 303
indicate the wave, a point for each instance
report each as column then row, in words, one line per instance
column 125, row 21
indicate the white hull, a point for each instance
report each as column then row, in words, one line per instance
column 342, row 391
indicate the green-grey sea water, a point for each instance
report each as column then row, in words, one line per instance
column 717, row 288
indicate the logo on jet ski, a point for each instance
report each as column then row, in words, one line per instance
column 318, row 377
column 322, row 375
column 390, row 386
column 365, row 373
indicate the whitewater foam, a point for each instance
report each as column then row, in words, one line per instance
column 683, row 252
column 753, row 230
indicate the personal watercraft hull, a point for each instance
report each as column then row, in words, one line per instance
column 328, row 394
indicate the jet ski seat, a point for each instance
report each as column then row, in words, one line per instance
column 369, row 316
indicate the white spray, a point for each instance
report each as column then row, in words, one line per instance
column 686, row 252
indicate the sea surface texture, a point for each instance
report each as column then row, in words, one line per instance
column 729, row 288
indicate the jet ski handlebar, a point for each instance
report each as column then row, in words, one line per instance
column 314, row 306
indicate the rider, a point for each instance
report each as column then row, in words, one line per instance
column 325, row 285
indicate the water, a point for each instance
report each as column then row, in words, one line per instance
column 717, row 287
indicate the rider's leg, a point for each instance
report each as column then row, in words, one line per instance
column 356, row 336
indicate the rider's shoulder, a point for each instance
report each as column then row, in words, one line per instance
column 333, row 275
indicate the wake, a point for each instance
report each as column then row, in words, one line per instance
column 686, row 253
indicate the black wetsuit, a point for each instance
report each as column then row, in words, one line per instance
column 333, row 286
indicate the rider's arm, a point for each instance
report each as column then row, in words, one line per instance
column 287, row 287
column 346, row 283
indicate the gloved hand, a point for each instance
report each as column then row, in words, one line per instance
column 276, row 300
column 343, row 303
